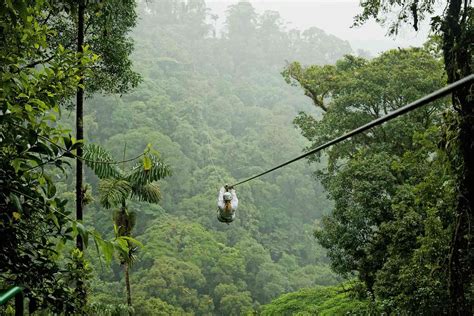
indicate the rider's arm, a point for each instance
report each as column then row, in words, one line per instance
column 220, row 198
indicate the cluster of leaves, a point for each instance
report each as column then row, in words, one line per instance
column 335, row 300
column 106, row 27
column 109, row 309
column 393, row 193
column 117, row 185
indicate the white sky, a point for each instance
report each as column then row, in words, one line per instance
column 335, row 17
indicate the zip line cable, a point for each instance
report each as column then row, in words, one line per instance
column 405, row 109
column 211, row 159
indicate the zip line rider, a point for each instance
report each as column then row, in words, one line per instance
column 227, row 202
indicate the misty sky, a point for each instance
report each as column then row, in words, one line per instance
column 335, row 17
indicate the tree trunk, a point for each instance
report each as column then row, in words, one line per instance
column 80, row 288
column 127, row 283
column 123, row 223
column 79, row 124
column 460, row 257
column 457, row 56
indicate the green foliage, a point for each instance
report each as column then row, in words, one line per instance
column 110, row 309
column 113, row 191
column 232, row 301
column 219, row 111
column 150, row 169
column 118, row 185
column 40, row 73
column 454, row 31
column 101, row 162
column 148, row 193
column 318, row 301
column 34, row 221
column 125, row 222
column 175, row 282
column 107, row 24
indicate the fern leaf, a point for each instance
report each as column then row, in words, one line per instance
column 148, row 193
column 141, row 176
column 113, row 191
column 101, row 162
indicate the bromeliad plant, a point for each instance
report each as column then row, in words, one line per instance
column 118, row 185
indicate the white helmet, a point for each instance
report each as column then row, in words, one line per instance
column 227, row 196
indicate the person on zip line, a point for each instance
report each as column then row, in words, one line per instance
column 227, row 203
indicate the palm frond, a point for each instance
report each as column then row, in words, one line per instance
column 113, row 191
column 140, row 175
column 101, row 162
column 149, row 192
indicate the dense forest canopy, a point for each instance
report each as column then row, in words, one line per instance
column 173, row 110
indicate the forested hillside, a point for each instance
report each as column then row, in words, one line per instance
column 217, row 110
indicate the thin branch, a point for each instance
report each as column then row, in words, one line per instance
column 38, row 62
column 42, row 61
column 44, row 204
column 44, row 163
column 81, row 158
column 47, row 18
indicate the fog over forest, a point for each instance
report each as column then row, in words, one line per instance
column 334, row 17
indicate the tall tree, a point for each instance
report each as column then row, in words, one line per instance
column 241, row 25
column 79, row 122
column 454, row 26
column 118, row 185
column 103, row 26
